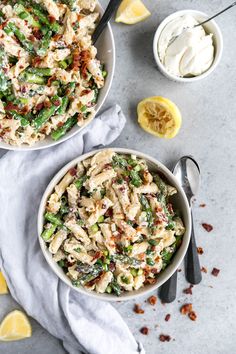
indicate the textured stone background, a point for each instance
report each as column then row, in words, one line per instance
column 208, row 133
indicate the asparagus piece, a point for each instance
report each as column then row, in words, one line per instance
column 11, row 28
column 24, row 14
column 46, row 113
column 97, row 269
column 47, row 233
column 126, row 259
column 60, row 132
column 4, row 84
column 55, row 220
column 64, row 104
column 41, row 51
column 42, row 16
column 32, row 78
column 23, row 121
column 39, row 71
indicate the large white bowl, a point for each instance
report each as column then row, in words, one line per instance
column 106, row 54
column 179, row 201
column 210, row 27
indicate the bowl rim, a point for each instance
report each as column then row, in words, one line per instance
column 173, row 265
column 109, row 81
column 217, row 37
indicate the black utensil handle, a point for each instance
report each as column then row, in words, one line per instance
column 168, row 289
column 112, row 6
column 193, row 270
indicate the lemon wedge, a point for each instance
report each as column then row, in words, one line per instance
column 131, row 12
column 159, row 116
column 15, row 326
column 3, row 285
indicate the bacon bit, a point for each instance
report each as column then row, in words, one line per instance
column 192, row 315
column 52, row 78
column 24, row 110
column 204, row 270
column 202, row 205
column 170, row 208
column 51, row 19
column 56, row 103
column 47, row 104
column 32, row 38
column 188, row 290
column 97, row 255
column 179, row 270
column 200, row 250
column 79, row 17
column 152, row 300
column 112, row 266
column 39, row 106
column 76, row 59
column 85, row 92
column 207, row 227
column 150, row 281
column 215, row 272
column 37, row 33
column 11, row 107
column 164, row 338
column 186, row 309
column 167, row 318
column 56, row 37
column 138, row 309
column 73, row 171
column 144, row 330
column 109, row 213
column 36, row 61
column 85, row 57
column 60, row 124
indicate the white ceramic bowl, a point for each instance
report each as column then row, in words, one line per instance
column 179, row 201
column 106, row 54
column 210, row 27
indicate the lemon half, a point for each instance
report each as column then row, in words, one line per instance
column 3, row 285
column 15, row 326
column 159, row 116
column 131, row 12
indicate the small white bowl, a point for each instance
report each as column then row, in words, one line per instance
column 180, row 201
column 106, row 54
column 210, row 27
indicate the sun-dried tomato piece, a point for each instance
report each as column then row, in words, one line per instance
column 188, row 290
column 164, row 338
column 215, row 272
column 144, row 330
column 204, row 270
column 207, row 227
column 186, row 309
column 200, row 250
column 11, row 107
column 192, row 315
column 138, row 309
column 167, row 318
column 152, row 300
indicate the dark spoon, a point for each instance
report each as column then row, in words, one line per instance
column 187, row 172
column 111, row 8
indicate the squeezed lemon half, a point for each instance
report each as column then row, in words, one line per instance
column 131, row 12
column 159, row 116
column 15, row 326
column 3, row 285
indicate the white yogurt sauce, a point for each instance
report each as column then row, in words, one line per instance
column 191, row 53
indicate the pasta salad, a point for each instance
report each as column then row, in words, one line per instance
column 110, row 224
column 49, row 74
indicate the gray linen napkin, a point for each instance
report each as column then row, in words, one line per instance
column 83, row 324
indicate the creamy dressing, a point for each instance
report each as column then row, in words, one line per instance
column 185, row 52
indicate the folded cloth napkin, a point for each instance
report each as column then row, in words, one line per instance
column 83, row 324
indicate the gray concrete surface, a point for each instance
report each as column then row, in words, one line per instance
column 208, row 133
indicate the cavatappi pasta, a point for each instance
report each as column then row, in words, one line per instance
column 49, row 74
column 110, row 224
